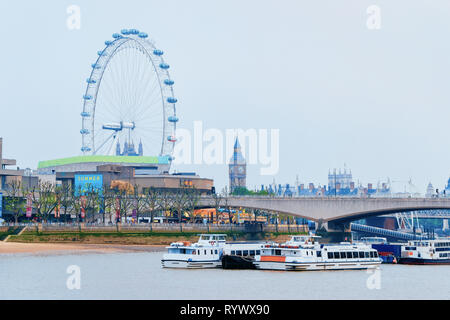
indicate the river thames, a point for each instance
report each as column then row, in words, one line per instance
column 139, row 275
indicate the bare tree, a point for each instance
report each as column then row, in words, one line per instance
column 166, row 202
column 123, row 194
column 14, row 203
column 109, row 200
column 152, row 203
column 217, row 200
column 139, row 203
column 193, row 198
column 91, row 202
column 225, row 196
column 180, row 202
column 44, row 199
column 64, row 195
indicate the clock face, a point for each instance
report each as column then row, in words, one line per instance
column 240, row 170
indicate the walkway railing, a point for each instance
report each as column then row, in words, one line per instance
column 382, row 232
column 160, row 227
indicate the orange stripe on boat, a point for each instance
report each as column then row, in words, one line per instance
column 273, row 258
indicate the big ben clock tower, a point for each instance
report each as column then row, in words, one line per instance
column 237, row 168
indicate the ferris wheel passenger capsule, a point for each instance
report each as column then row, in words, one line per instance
column 108, row 42
column 171, row 100
column 101, row 53
column 84, row 131
column 85, row 149
column 116, row 36
column 171, row 138
column 142, row 35
column 85, row 114
column 124, row 31
column 157, row 52
column 134, row 31
column 89, row 80
column 173, row 119
column 95, row 66
column 164, row 66
column 169, row 82
column 87, row 97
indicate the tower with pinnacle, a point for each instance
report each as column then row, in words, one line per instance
column 237, row 168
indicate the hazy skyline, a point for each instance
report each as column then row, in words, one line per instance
column 340, row 93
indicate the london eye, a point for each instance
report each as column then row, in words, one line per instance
column 129, row 100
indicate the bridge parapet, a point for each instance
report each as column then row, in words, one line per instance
column 333, row 208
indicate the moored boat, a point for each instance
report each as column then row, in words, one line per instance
column 241, row 255
column 304, row 253
column 426, row 252
column 206, row 253
column 388, row 252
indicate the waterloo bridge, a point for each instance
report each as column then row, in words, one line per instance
column 333, row 213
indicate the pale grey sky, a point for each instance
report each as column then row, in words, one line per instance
column 376, row 100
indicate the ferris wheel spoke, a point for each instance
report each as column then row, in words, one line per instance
column 128, row 95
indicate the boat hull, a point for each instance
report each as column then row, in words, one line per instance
column 419, row 261
column 184, row 264
column 237, row 262
column 319, row 266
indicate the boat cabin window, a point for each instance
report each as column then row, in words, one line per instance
column 349, row 255
column 355, row 254
column 342, row 255
column 245, row 253
column 215, row 251
column 410, row 248
column 205, row 251
column 238, row 252
column 258, row 252
column 277, row 252
column 252, row 252
column 319, row 254
column 181, row 251
column 366, row 255
column 330, row 255
column 233, row 252
column 361, row 254
column 371, row 254
column 336, row 255
column 198, row 251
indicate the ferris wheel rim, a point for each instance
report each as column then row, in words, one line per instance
column 168, row 100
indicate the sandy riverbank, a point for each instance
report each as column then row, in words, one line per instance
column 62, row 248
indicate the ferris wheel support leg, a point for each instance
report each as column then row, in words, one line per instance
column 114, row 134
column 111, row 148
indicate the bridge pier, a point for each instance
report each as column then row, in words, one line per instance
column 333, row 231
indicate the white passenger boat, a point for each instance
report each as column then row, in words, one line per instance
column 305, row 253
column 206, row 253
column 426, row 252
